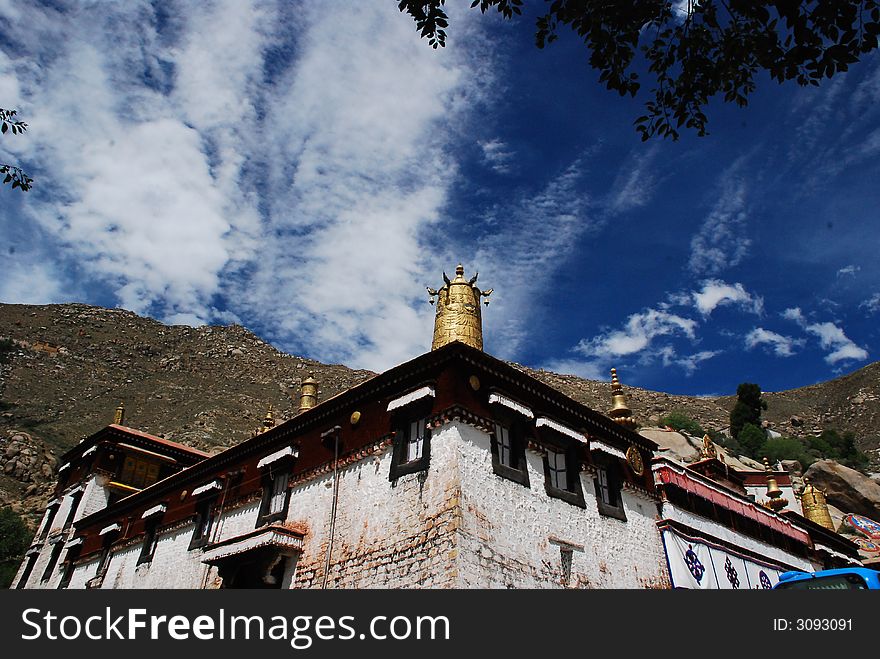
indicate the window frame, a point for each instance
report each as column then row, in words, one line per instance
column 271, row 473
column 204, row 509
column 54, row 557
column 403, row 421
column 151, row 540
column 614, row 485
column 573, row 492
column 516, row 432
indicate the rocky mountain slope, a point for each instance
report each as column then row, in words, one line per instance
column 68, row 367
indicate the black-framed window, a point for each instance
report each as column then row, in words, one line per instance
column 276, row 493
column 51, row 511
column 151, row 540
column 204, row 522
column 412, row 443
column 508, row 451
column 28, row 569
column 562, row 474
column 608, row 490
column 69, row 567
column 71, row 513
column 53, row 561
column 104, row 558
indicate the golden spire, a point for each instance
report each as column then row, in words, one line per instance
column 708, row 450
column 268, row 420
column 620, row 411
column 308, row 397
column 776, row 501
column 458, row 316
column 815, row 506
column 119, row 415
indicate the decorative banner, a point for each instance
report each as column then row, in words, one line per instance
column 693, row 564
column 690, row 563
column 867, row 527
column 867, row 546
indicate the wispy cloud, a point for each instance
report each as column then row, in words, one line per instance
column 872, row 304
column 637, row 334
column 721, row 242
column 689, row 363
column 496, row 155
column 635, row 183
column 832, row 339
column 716, row 293
column 848, row 271
column 782, row 346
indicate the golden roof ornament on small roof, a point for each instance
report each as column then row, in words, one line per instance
column 776, row 501
column 815, row 506
column 308, row 393
column 620, row 410
column 708, row 451
column 119, row 414
column 458, row 316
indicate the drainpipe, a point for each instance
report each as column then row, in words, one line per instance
column 334, row 433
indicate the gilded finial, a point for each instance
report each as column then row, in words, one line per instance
column 269, row 419
column 620, row 411
column 776, row 501
column 815, row 506
column 119, row 415
column 708, row 450
column 458, row 316
column 308, row 393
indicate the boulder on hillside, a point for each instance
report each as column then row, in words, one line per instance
column 846, row 488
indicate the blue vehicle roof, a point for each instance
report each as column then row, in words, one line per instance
column 871, row 577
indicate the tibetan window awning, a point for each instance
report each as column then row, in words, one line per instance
column 560, row 428
column 286, row 452
column 285, row 540
column 155, row 510
column 110, row 529
column 207, row 487
column 411, row 397
column 511, row 404
column 598, row 445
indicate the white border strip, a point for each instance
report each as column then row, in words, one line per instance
column 155, row 510
column 66, row 465
column 512, row 404
column 207, row 487
column 597, row 445
column 110, row 529
column 76, row 542
column 411, row 397
column 89, row 451
column 278, row 455
column 76, row 490
column 829, row 550
column 561, row 429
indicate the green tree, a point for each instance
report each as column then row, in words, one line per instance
column 13, row 174
column 681, row 421
column 14, row 540
column 786, row 448
column 747, row 409
column 752, row 439
column 693, row 52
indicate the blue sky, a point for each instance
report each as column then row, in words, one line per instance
column 306, row 169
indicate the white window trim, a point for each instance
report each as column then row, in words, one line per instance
column 291, row 451
column 155, row 510
column 561, row 429
column 109, row 529
column 598, row 445
column 207, row 487
column 76, row 542
column 411, row 397
column 511, row 404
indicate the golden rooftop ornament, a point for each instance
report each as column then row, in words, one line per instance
column 776, row 501
column 119, row 416
column 815, row 506
column 309, row 393
column 620, row 411
column 708, row 450
column 458, row 316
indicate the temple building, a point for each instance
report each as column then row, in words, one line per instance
column 451, row 470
